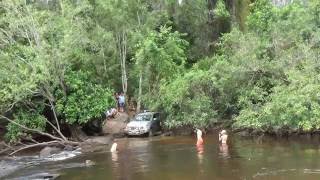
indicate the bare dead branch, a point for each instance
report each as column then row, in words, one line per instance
column 33, row 145
column 7, row 145
column 48, row 95
column 5, row 150
column 31, row 130
column 54, row 114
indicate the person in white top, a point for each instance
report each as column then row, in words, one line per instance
column 114, row 147
column 122, row 101
column 199, row 137
column 223, row 137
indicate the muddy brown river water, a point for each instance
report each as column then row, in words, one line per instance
column 175, row 158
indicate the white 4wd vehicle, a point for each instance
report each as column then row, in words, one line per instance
column 144, row 123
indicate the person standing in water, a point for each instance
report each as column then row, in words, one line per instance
column 199, row 137
column 114, row 147
column 200, row 148
column 223, row 137
column 223, row 147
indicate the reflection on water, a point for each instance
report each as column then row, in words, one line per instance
column 200, row 151
column 224, row 150
column 200, row 155
column 162, row 158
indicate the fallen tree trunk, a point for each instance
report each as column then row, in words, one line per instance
column 31, row 130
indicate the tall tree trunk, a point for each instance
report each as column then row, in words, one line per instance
column 124, row 57
column 61, row 6
column 140, row 92
column 122, row 48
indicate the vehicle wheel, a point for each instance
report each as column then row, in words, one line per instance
column 150, row 134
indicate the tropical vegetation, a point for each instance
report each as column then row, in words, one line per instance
column 251, row 64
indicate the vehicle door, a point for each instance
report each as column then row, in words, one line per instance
column 156, row 122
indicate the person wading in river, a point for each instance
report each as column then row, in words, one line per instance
column 199, row 137
column 114, row 147
column 223, row 137
column 199, row 142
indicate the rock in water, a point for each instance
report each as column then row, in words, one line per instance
column 44, row 175
column 94, row 144
column 68, row 148
column 89, row 163
column 48, row 151
column 7, row 168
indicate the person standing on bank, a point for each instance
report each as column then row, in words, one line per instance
column 122, row 101
column 116, row 98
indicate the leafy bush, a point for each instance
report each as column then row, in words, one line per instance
column 295, row 106
column 220, row 10
column 292, row 102
column 85, row 100
column 261, row 17
column 187, row 100
column 32, row 120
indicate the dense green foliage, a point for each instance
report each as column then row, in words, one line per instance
column 85, row 100
column 31, row 119
column 265, row 78
column 188, row 100
column 292, row 49
column 160, row 57
column 62, row 61
column 43, row 53
column 188, row 60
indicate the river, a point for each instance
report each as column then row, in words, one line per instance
column 162, row 158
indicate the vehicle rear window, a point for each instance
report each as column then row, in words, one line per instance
column 142, row 118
